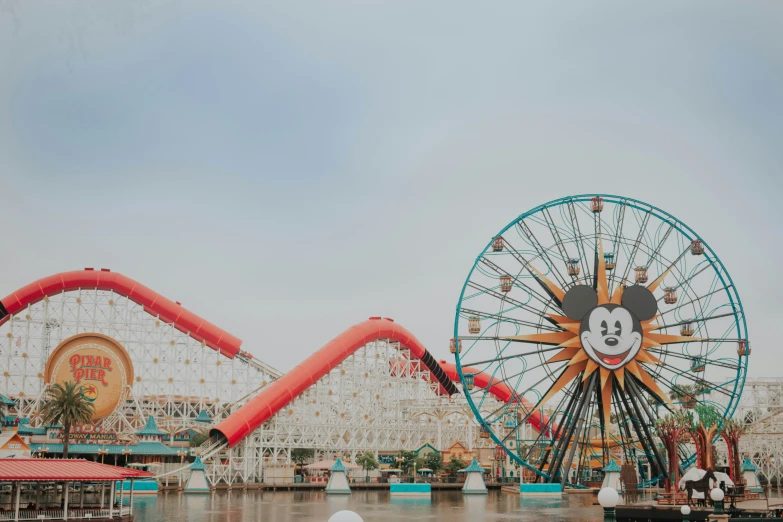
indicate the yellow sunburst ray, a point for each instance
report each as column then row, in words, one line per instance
column 634, row 368
column 617, row 296
column 605, row 373
column 566, row 377
column 645, row 356
column 591, row 367
column 603, row 286
column 552, row 287
column 572, row 342
column 571, row 327
column 671, row 339
column 564, row 354
column 560, row 318
column 553, row 338
column 648, row 343
column 619, row 373
column 649, row 327
column 655, row 284
column 579, row 357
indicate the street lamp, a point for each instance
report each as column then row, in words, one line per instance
column 608, row 498
column 717, row 501
column 685, row 510
column 181, row 454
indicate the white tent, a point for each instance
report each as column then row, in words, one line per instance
column 697, row 474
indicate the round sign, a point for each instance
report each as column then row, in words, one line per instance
column 97, row 362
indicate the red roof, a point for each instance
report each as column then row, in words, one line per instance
column 78, row 470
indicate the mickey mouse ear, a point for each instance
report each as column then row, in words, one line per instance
column 640, row 301
column 578, row 301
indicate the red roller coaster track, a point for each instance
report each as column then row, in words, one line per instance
column 168, row 311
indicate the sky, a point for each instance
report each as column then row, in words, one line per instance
column 289, row 169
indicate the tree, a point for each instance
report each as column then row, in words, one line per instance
column 300, row 456
column 433, row 461
column 65, row 403
column 670, row 428
column 455, row 465
column 408, row 459
column 731, row 431
column 703, row 432
column 367, row 461
column 198, row 439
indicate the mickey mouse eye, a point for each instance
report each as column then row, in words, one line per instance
column 604, row 328
column 618, row 328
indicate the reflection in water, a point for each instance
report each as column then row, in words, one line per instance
column 373, row 506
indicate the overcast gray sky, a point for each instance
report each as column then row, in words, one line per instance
column 287, row 169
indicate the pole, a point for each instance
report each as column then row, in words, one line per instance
column 18, row 492
column 103, row 492
column 122, row 492
column 67, row 488
column 131, row 496
column 113, row 486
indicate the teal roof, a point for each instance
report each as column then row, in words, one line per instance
column 24, row 420
column 5, row 400
column 26, row 429
column 430, row 446
column 474, row 466
column 203, row 416
column 198, row 465
column 338, row 466
column 142, row 448
column 151, row 428
column 612, row 466
column 747, row 465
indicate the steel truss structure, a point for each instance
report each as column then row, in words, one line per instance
column 381, row 398
column 761, row 408
column 378, row 399
column 176, row 376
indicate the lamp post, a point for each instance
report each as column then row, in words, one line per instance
column 685, row 510
column 181, row 454
column 608, row 498
column 717, row 501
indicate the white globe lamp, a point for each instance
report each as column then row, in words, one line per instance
column 608, row 498
column 685, row 510
column 717, row 501
column 345, row 516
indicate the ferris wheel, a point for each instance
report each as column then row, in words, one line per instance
column 599, row 313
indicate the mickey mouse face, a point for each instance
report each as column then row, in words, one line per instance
column 611, row 334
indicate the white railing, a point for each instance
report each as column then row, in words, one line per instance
column 57, row 514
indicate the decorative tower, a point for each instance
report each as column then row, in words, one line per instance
column 612, row 476
column 474, row 482
column 197, row 481
column 338, row 482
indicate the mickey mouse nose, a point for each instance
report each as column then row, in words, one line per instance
column 612, row 341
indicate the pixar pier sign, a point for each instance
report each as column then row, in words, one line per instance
column 100, row 364
column 90, row 368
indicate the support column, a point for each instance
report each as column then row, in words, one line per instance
column 66, row 487
column 122, row 493
column 103, row 492
column 16, row 506
column 81, row 495
column 113, row 486
column 131, row 496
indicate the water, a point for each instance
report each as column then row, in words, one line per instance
column 373, row 506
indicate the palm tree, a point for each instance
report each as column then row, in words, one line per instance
column 65, row 403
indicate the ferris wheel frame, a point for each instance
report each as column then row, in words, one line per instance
column 729, row 288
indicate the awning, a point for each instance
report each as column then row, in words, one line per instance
column 326, row 464
column 60, row 470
